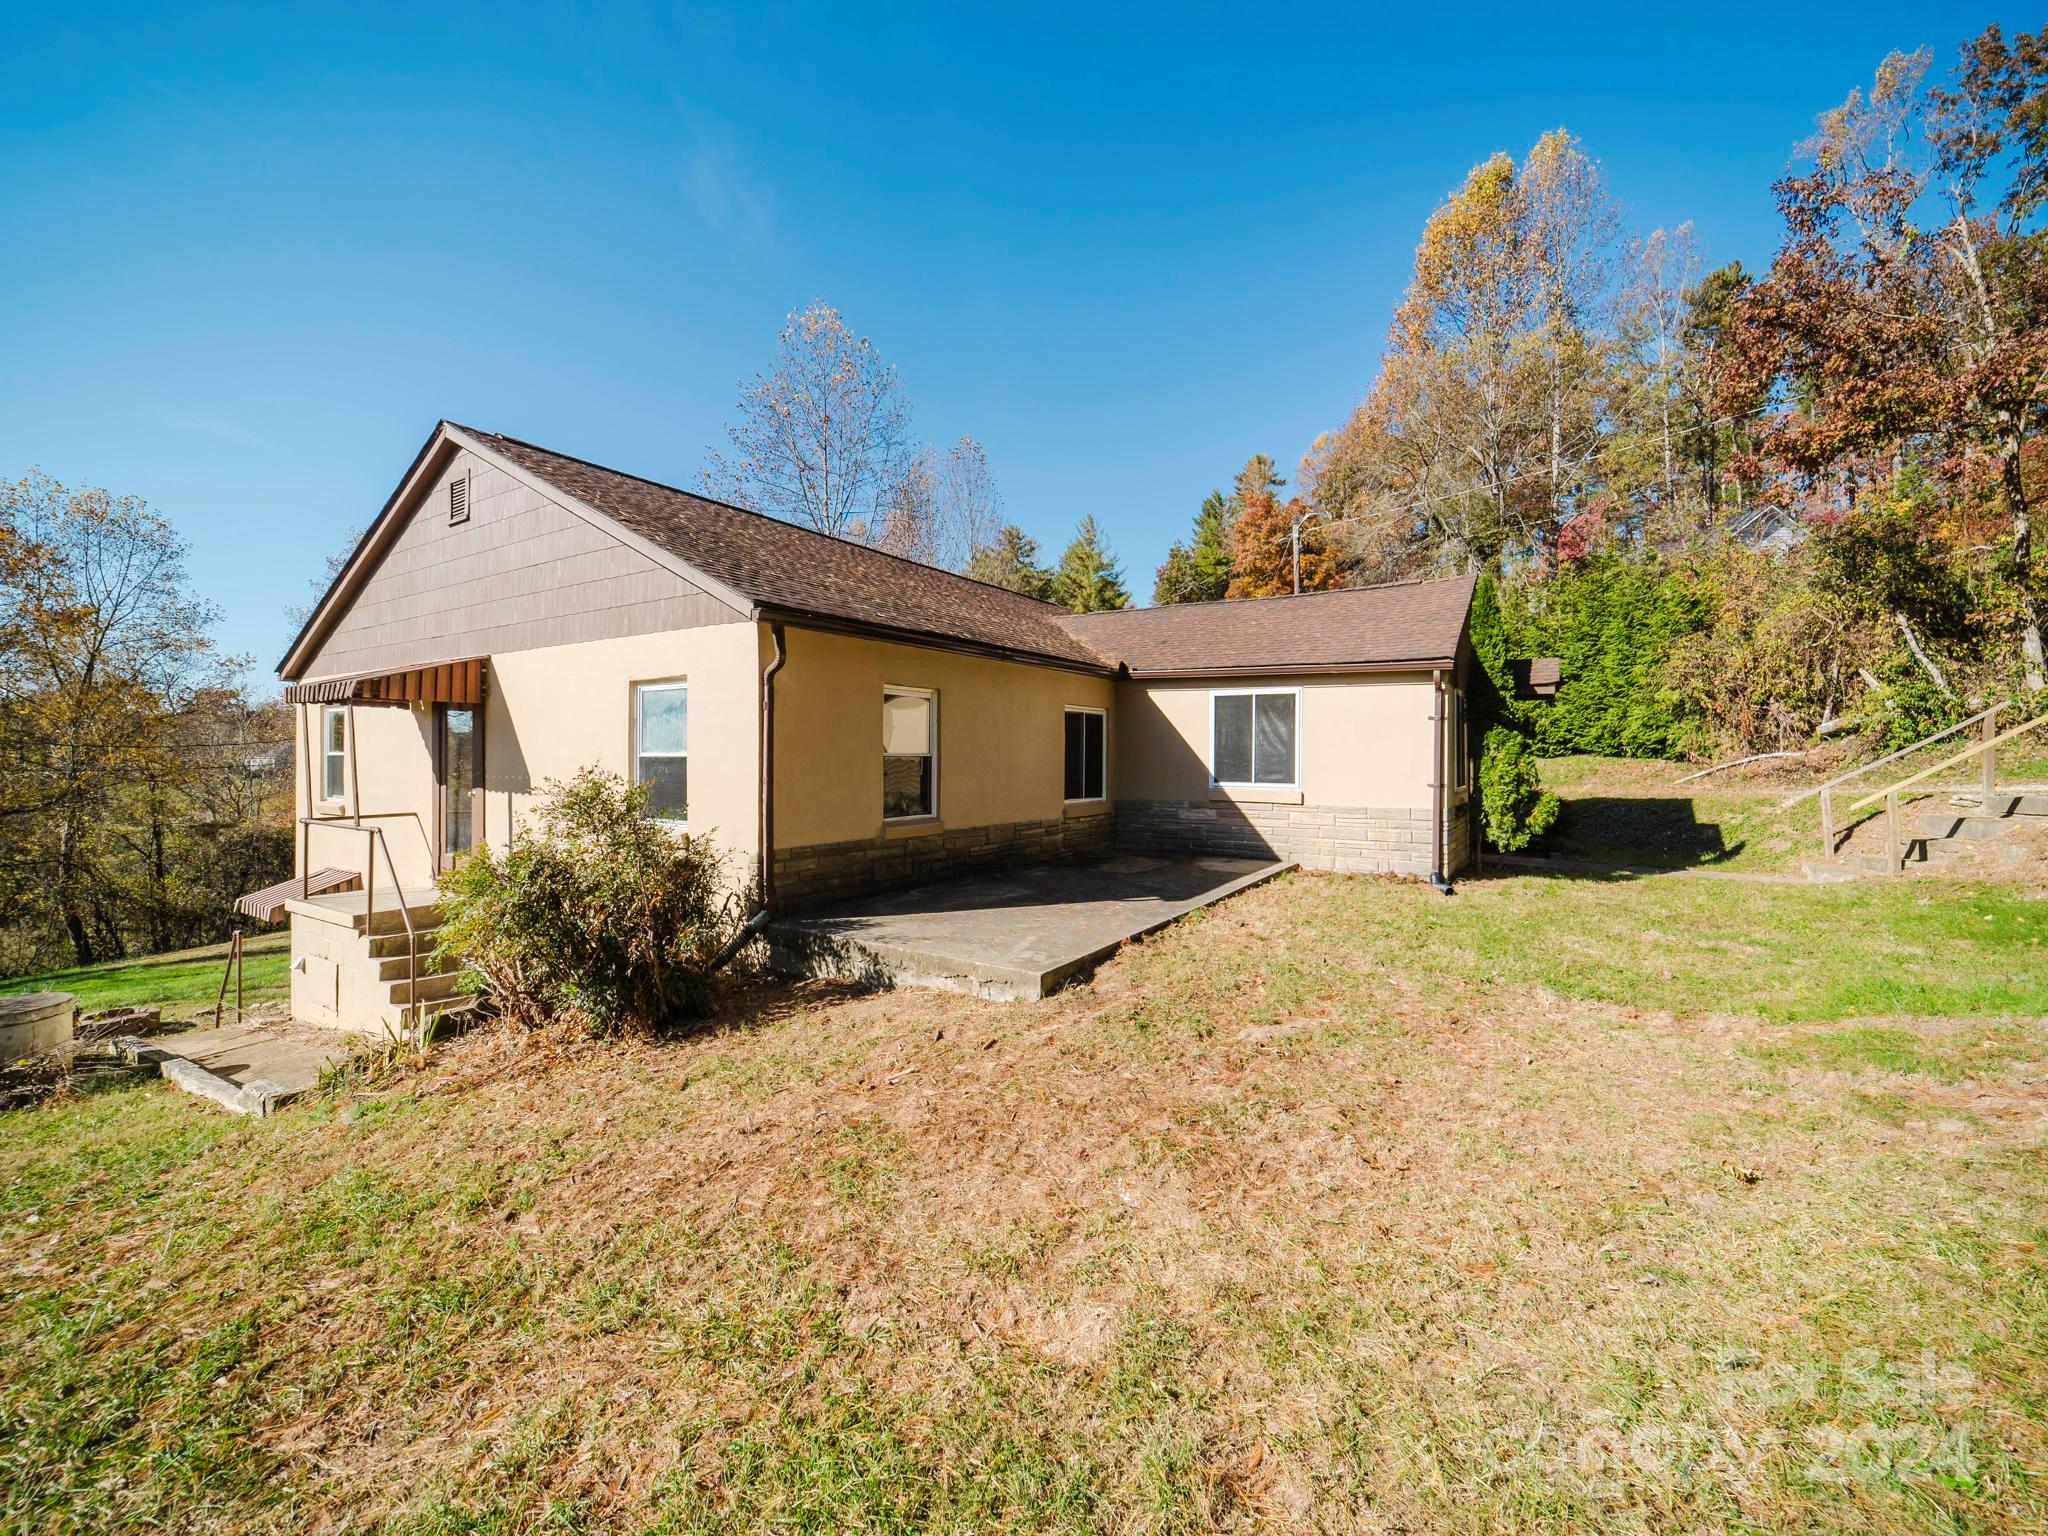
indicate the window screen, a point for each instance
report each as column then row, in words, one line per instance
column 1254, row 738
column 909, row 758
column 661, row 747
column 1084, row 751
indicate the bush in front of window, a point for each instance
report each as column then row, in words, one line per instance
column 1515, row 807
column 599, row 914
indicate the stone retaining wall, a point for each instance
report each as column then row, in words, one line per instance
column 824, row 872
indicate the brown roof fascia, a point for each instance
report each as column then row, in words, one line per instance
column 1313, row 669
column 597, row 517
column 926, row 639
column 349, row 579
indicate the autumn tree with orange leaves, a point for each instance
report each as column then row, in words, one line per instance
column 1905, row 318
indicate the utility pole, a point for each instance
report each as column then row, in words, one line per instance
column 1294, row 539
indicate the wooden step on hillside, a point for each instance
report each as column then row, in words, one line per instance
column 1970, row 830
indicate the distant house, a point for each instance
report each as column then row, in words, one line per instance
column 840, row 719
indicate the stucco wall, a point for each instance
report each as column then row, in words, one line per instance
column 1365, row 760
column 392, row 758
column 553, row 711
column 549, row 712
column 1001, row 738
column 1364, row 740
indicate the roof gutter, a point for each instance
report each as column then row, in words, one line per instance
column 768, row 613
column 1293, row 669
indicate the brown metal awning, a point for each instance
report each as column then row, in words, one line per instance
column 267, row 905
column 447, row 682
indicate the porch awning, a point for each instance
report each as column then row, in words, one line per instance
column 447, row 682
column 267, row 905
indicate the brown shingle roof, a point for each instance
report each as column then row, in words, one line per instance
column 1414, row 621
column 790, row 569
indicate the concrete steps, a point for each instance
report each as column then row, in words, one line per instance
column 371, row 971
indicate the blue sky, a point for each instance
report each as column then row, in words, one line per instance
column 251, row 254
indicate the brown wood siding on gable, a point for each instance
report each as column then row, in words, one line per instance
column 522, row 572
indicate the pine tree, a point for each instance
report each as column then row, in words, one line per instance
column 1199, row 571
column 1012, row 562
column 1088, row 579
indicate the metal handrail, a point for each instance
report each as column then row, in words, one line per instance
column 353, row 819
column 374, row 839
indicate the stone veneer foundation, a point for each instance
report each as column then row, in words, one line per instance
column 1361, row 840
column 807, row 877
column 1357, row 839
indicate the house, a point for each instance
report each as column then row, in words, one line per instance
column 838, row 719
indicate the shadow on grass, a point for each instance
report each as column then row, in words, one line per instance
column 750, row 1002
column 1650, row 832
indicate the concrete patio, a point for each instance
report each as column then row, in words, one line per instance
column 252, row 1068
column 1018, row 934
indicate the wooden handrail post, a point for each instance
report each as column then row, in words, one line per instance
column 1827, row 821
column 1990, row 762
column 1891, row 833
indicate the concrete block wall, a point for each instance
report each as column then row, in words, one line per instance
column 824, row 872
column 1356, row 839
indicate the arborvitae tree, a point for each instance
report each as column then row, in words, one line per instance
column 1089, row 579
column 1199, row 571
column 1012, row 562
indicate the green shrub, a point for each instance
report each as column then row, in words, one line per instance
column 1912, row 707
column 1515, row 808
column 598, row 913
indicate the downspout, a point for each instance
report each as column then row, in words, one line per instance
column 1436, row 787
column 753, row 925
column 305, row 811
column 768, row 767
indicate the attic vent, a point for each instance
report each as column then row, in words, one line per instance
column 458, row 500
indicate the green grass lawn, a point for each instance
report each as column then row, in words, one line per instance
column 1620, row 811
column 183, row 982
column 1624, row 812
column 1557, row 1205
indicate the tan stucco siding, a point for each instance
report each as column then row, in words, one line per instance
column 551, row 712
column 389, row 777
column 548, row 713
column 1364, row 741
column 521, row 573
column 1001, row 737
column 1364, row 771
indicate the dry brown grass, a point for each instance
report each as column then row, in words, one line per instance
column 1258, row 1231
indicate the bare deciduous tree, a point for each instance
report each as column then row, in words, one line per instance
column 823, row 437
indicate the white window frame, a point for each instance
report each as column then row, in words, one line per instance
column 640, row 688
column 931, row 696
column 1253, row 783
column 330, row 757
column 1084, row 709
